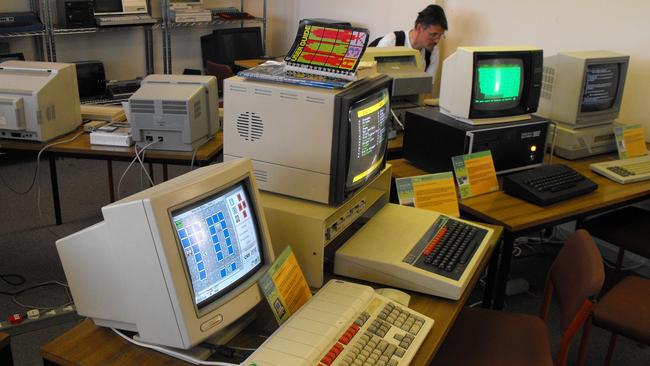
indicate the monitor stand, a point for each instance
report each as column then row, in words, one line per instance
column 575, row 143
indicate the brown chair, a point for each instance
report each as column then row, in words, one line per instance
column 487, row 337
column 220, row 71
column 624, row 310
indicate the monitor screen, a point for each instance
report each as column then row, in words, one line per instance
column 108, row 6
column 12, row 57
column 368, row 119
column 221, row 243
column 600, row 87
column 498, row 84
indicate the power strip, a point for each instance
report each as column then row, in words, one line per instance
column 37, row 319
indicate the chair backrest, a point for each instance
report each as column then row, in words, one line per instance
column 220, row 71
column 575, row 277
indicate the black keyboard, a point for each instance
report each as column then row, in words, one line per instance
column 450, row 245
column 547, row 184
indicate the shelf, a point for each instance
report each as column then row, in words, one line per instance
column 212, row 23
column 22, row 34
column 68, row 31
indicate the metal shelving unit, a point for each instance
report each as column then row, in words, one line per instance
column 40, row 37
column 167, row 25
column 52, row 31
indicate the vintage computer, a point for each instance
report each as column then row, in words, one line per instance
column 176, row 263
column 310, row 143
column 224, row 46
column 491, row 84
column 174, row 112
column 122, row 12
column 583, row 92
column 486, row 97
column 32, row 104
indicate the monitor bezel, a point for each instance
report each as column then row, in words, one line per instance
column 340, row 159
column 524, row 101
column 615, row 109
column 217, row 33
column 208, row 305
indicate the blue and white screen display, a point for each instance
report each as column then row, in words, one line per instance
column 220, row 242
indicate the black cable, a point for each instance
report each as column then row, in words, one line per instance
column 4, row 182
column 19, row 292
column 6, row 277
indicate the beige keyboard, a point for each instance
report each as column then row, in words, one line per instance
column 624, row 170
column 345, row 324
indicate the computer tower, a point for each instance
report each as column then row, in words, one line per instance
column 432, row 138
column 76, row 13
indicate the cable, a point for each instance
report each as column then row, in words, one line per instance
column 142, row 162
column 15, row 294
column 193, row 156
column 7, row 276
column 119, row 184
column 396, row 119
column 169, row 352
column 38, row 157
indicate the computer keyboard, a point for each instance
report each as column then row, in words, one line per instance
column 102, row 100
column 547, row 184
column 345, row 324
column 624, row 170
column 415, row 249
column 131, row 19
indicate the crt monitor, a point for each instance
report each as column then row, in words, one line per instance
column 491, row 84
column 224, row 46
column 110, row 7
column 311, row 143
column 17, row 56
column 32, row 104
column 176, row 263
column 583, row 88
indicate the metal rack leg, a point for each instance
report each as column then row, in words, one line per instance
column 111, row 185
column 493, row 268
column 55, row 190
column 504, row 270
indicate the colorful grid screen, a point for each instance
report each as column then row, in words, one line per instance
column 330, row 47
column 498, row 84
column 220, row 242
column 368, row 122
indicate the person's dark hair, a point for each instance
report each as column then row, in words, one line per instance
column 432, row 15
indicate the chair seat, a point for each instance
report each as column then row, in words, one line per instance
column 486, row 337
column 625, row 308
column 628, row 228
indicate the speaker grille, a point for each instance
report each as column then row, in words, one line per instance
column 170, row 107
column 250, row 126
column 548, row 79
column 261, row 175
column 142, row 106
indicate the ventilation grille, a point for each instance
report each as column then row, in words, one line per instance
column 265, row 92
column 315, row 100
column 51, row 113
column 170, row 107
column 250, row 126
column 261, row 175
column 237, row 88
column 142, row 106
column 197, row 109
column 285, row 95
column 548, row 79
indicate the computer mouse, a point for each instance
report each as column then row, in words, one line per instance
column 395, row 295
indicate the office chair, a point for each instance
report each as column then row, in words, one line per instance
column 487, row 337
column 220, row 71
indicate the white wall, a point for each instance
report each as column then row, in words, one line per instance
column 380, row 17
column 563, row 25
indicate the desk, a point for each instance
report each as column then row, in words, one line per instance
column 519, row 217
column 88, row 344
column 81, row 148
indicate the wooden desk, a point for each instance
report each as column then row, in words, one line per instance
column 519, row 217
column 88, row 344
column 250, row 63
column 81, row 148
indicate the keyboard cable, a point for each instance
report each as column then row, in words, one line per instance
column 550, row 159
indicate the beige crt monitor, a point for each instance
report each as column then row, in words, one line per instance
column 176, row 263
column 38, row 100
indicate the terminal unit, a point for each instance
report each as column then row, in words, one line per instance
column 175, row 112
column 432, row 138
column 572, row 143
column 309, row 226
column 38, row 100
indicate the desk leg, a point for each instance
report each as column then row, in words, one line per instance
column 165, row 172
column 504, row 270
column 55, row 190
column 493, row 268
column 111, row 185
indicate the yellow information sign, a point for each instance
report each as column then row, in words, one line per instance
column 630, row 141
column 475, row 174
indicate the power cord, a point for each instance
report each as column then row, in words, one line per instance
column 392, row 112
column 555, row 133
column 5, row 277
column 14, row 295
column 137, row 157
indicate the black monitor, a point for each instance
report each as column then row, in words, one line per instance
column 17, row 56
column 91, row 78
column 224, row 46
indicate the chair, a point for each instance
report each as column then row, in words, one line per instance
column 220, row 71
column 487, row 337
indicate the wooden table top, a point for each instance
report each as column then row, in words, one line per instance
column 88, row 344
column 517, row 215
column 250, row 63
column 81, row 147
